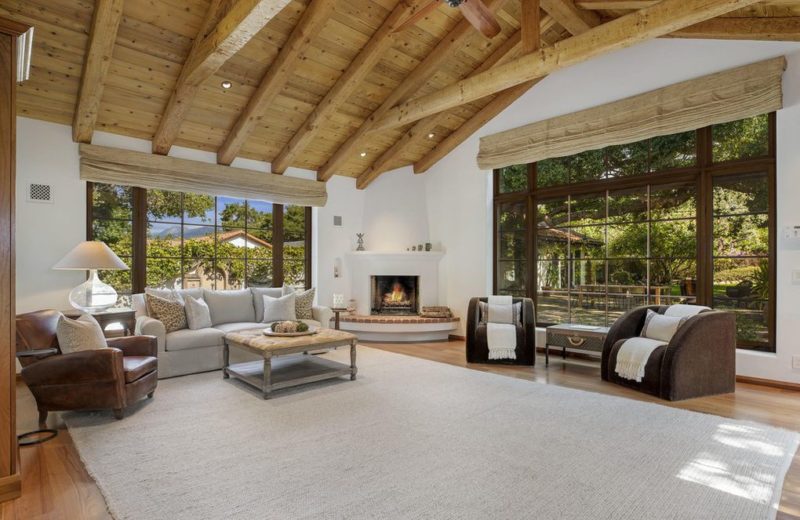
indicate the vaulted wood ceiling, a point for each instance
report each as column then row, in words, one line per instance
column 312, row 80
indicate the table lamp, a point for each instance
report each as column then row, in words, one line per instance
column 92, row 295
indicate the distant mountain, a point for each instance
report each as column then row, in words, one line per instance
column 191, row 232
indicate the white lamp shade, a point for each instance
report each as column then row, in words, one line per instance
column 90, row 255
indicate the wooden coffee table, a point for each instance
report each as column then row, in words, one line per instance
column 285, row 363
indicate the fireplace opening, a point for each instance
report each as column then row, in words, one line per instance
column 395, row 295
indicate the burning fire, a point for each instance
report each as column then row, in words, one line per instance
column 398, row 294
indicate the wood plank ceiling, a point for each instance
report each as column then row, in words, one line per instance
column 305, row 51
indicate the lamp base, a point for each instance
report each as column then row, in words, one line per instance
column 93, row 295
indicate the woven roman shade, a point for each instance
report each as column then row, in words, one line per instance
column 726, row 96
column 144, row 170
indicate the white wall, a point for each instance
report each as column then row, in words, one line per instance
column 395, row 212
column 455, row 190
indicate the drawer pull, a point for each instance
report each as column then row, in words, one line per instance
column 576, row 341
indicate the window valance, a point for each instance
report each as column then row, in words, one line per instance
column 143, row 170
column 718, row 98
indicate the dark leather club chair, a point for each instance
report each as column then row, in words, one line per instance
column 477, row 346
column 700, row 359
column 114, row 377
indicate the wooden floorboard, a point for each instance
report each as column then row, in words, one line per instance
column 55, row 484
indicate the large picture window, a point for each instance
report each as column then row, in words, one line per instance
column 684, row 218
column 185, row 240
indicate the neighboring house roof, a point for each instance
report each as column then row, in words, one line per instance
column 230, row 236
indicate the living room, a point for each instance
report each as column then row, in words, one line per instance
column 395, row 259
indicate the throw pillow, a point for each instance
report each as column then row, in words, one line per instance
column 304, row 304
column 169, row 312
column 198, row 316
column 660, row 327
column 81, row 334
column 279, row 309
column 484, row 313
column 167, row 294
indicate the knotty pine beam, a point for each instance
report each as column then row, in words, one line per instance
column 530, row 22
column 772, row 29
column 622, row 5
column 658, row 20
column 279, row 73
column 416, row 79
column 576, row 21
column 381, row 41
column 215, row 44
column 103, row 34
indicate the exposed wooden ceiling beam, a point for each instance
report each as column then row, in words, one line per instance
column 416, row 79
column 345, row 86
column 279, row 73
column 102, row 36
column 780, row 29
column 423, row 128
column 622, row 5
column 500, row 102
column 574, row 20
column 530, row 25
column 662, row 18
column 214, row 45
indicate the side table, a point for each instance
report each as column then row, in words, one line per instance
column 336, row 312
column 579, row 337
column 125, row 317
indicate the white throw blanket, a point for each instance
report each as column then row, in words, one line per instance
column 633, row 355
column 501, row 333
column 682, row 310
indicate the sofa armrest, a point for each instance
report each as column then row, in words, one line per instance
column 322, row 315
column 136, row 345
column 147, row 326
column 88, row 366
column 701, row 357
column 626, row 326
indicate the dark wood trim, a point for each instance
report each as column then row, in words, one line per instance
column 772, row 383
column 277, row 245
column 309, row 245
column 455, row 337
column 13, row 28
column 139, row 248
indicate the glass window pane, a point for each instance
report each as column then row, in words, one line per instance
column 741, row 286
column 259, row 219
column 112, row 202
column 198, row 242
column 673, row 201
column 673, row 151
column 627, row 240
column 588, row 308
column 202, row 273
column 163, row 240
column 587, row 242
column 229, row 273
column 588, row 209
column 552, row 172
column 117, row 234
column 121, row 282
column 234, row 243
column 627, row 205
column 552, row 243
column 553, row 213
column 552, row 307
column 741, row 139
column 552, row 275
column 628, row 159
column 198, row 209
column 294, row 274
column 676, row 278
column 741, row 194
column 742, row 235
column 586, row 166
column 164, row 273
column 673, row 239
column 164, row 206
column 627, row 286
column 294, row 224
column 259, row 273
column 513, row 178
column 231, row 212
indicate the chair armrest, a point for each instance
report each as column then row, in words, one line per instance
column 626, row 326
column 473, row 317
column 147, row 326
column 39, row 352
column 701, row 357
column 322, row 315
column 78, row 367
column 136, row 345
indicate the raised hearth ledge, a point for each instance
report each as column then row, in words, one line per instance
column 399, row 329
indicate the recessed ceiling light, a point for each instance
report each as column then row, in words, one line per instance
column 431, row 135
column 226, row 84
column 363, row 154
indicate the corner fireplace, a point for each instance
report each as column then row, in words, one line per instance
column 394, row 295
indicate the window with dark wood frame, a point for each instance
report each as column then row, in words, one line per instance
column 187, row 240
column 685, row 218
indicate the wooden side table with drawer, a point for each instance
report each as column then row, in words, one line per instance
column 585, row 338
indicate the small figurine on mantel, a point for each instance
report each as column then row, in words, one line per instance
column 360, row 242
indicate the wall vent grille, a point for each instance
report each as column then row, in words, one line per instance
column 40, row 193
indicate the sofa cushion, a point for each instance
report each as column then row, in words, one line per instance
column 81, row 334
column 188, row 339
column 230, row 306
column 258, row 298
column 137, row 366
column 312, row 323
column 237, row 326
column 170, row 312
column 198, row 315
column 279, row 309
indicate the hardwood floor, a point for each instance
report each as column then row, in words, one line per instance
column 56, row 485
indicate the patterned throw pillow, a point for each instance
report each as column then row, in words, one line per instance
column 483, row 307
column 169, row 312
column 81, row 334
column 304, row 302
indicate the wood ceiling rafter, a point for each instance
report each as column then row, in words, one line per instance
column 226, row 29
column 770, row 29
column 345, row 86
column 576, row 21
column 652, row 22
column 530, row 23
column 415, row 80
column 310, row 25
column 102, row 37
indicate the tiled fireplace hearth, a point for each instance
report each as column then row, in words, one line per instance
column 390, row 289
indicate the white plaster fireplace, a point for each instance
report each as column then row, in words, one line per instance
column 422, row 267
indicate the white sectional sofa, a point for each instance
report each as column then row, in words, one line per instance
column 189, row 351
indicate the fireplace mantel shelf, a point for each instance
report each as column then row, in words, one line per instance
column 415, row 254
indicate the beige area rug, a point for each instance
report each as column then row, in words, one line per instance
column 418, row 439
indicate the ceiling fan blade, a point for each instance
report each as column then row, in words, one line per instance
column 481, row 17
column 419, row 15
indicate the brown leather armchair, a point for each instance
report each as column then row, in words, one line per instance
column 477, row 344
column 113, row 378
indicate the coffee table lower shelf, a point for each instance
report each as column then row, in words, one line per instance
column 287, row 371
